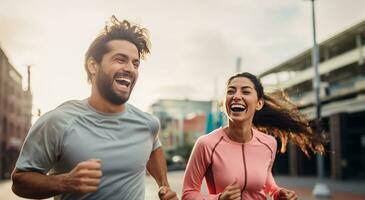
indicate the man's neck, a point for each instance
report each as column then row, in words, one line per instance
column 99, row 103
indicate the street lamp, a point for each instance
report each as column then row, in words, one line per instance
column 238, row 65
column 320, row 189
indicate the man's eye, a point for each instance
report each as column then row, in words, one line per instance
column 136, row 65
column 120, row 60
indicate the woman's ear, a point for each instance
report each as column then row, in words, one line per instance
column 260, row 104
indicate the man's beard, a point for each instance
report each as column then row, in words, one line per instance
column 105, row 87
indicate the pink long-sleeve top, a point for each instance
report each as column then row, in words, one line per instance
column 221, row 161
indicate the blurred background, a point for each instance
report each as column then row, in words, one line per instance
column 196, row 46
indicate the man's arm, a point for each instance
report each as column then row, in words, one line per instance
column 36, row 185
column 84, row 178
column 156, row 166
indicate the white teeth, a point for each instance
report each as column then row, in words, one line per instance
column 123, row 79
column 238, row 106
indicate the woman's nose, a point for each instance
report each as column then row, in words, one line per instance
column 236, row 97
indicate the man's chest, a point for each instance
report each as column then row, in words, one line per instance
column 119, row 148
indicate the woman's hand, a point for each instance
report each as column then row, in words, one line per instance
column 285, row 194
column 231, row 192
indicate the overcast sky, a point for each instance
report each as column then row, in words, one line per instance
column 194, row 42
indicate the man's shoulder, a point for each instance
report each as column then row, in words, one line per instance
column 72, row 105
column 138, row 113
column 144, row 117
column 64, row 113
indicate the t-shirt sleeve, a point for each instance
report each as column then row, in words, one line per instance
column 271, row 188
column 42, row 146
column 155, row 128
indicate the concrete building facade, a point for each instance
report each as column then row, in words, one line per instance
column 15, row 114
column 342, row 74
column 182, row 121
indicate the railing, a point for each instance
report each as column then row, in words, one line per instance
column 339, row 89
column 324, row 67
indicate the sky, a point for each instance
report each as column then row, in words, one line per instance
column 195, row 43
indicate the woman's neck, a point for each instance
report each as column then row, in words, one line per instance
column 239, row 132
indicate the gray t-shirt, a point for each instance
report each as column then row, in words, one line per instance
column 75, row 132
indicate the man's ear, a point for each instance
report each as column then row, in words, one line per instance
column 92, row 66
column 260, row 104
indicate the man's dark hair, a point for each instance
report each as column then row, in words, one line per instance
column 118, row 30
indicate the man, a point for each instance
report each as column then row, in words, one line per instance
column 100, row 147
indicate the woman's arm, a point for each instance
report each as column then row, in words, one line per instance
column 277, row 193
column 194, row 173
column 271, row 188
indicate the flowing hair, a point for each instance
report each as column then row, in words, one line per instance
column 281, row 118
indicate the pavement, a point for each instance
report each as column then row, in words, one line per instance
column 340, row 190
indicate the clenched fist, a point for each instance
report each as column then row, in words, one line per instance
column 285, row 194
column 231, row 192
column 166, row 193
column 84, row 177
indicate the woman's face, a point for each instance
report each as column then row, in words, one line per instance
column 241, row 100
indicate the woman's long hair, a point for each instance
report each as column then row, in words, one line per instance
column 281, row 118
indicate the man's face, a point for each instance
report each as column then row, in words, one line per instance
column 117, row 72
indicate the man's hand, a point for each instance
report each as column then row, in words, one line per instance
column 231, row 192
column 84, row 178
column 285, row 194
column 165, row 193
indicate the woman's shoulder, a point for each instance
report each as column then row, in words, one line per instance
column 265, row 138
column 210, row 138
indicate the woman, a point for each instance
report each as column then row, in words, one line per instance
column 236, row 160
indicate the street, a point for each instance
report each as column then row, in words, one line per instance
column 341, row 190
column 175, row 179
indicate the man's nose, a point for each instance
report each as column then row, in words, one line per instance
column 128, row 67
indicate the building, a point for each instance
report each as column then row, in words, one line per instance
column 182, row 121
column 342, row 73
column 15, row 114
